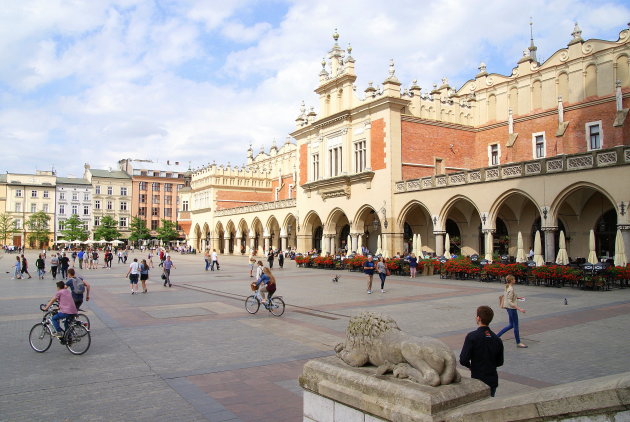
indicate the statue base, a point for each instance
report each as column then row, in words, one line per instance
column 335, row 391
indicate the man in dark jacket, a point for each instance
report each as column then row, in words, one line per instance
column 483, row 351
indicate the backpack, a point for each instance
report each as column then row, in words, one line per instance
column 78, row 286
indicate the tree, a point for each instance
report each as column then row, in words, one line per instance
column 38, row 228
column 7, row 227
column 167, row 231
column 139, row 230
column 107, row 230
column 74, row 229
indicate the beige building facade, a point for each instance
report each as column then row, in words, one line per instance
column 546, row 148
column 111, row 196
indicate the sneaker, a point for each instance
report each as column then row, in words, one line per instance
column 57, row 334
column 382, row 291
column 133, row 293
column 369, row 292
column 169, row 284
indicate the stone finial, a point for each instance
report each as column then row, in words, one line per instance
column 302, row 108
column 577, row 35
column 392, row 69
column 287, row 140
column 335, row 35
column 444, row 80
column 349, row 49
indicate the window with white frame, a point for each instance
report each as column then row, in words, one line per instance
column 539, row 145
column 86, row 210
column 45, row 208
column 315, row 166
column 110, row 190
column 122, row 222
column 185, row 206
column 33, row 194
column 75, row 196
column 110, row 205
column 97, row 189
column 18, row 207
column 123, row 191
column 86, row 196
column 335, row 159
column 46, row 194
column 33, row 207
column 75, row 210
column 62, row 196
column 142, row 185
column 61, row 224
column 123, row 205
column 97, row 204
column 360, row 154
column 594, row 135
column 494, row 154
column 62, row 209
column 97, row 221
column 18, row 223
column 18, row 193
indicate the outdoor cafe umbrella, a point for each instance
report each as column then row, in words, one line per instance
column 349, row 244
column 419, row 247
column 447, row 247
column 592, row 256
column 379, row 244
column 520, row 252
column 620, row 252
column 563, row 257
column 414, row 244
column 538, row 258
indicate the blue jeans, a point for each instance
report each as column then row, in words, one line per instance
column 513, row 315
column 382, row 277
column 57, row 317
column 207, row 264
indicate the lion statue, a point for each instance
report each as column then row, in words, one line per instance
column 376, row 339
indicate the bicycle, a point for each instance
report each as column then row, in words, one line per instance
column 76, row 338
column 275, row 304
column 54, row 308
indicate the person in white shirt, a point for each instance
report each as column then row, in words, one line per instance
column 134, row 274
column 214, row 259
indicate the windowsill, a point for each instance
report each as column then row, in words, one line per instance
column 339, row 185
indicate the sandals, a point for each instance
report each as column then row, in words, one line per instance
column 521, row 346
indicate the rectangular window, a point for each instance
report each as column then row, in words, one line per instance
column 33, row 207
column 154, row 224
column 18, row 193
column 123, row 206
column 45, row 209
column 86, row 210
column 155, row 187
column 168, row 187
column 97, row 221
column 97, row 189
column 142, row 211
column 155, row 212
column 594, row 135
column 185, row 206
column 122, row 222
column 62, row 209
column 110, row 190
column 315, row 166
column 493, row 155
column 86, row 196
column 168, row 212
column 143, row 198
column 18, row 223
column 359, row 156
column 62, row 196
column 18, row 207
column 538, row 144
column 75, row 196
column 46, row 194
column 335, row 162
column 110, row 205
column 33, row 194
column 61, row 224
column 156, row 199
column 75, row 210
column 180, row 187
column 142, row 185
column 97, row 204
column 168, row 200
column 123, row 191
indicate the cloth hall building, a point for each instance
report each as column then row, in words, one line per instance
column 545, row 148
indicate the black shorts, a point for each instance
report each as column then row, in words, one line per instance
column 133, row 278
column 144, row 276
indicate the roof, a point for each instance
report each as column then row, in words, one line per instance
column 72, row 181
column 113, row 174
column 3, row 178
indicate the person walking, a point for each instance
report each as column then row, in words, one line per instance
column 54, row 263
column 482, row 352
column 413, row 265
column 281, row 259
column 134, row 274
column 78, row 286
column 381, row 268
column 368, row 268
column 511, row 306
column 206, row 258
column 215, row 260
column 120, row 257
column 270, row 257
column 168, row 264
column 40, row 264
column 252, row 263
column 25, row 267
column 81, row 255
column 64, row 264
column 17, row 272
column 150, row 258
column 144, row 274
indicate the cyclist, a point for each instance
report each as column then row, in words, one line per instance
column 66, row 307
column 78, row 287
column 266, row 284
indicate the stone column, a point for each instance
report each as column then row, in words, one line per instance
column 283, row 243
column 550, row 243
column 488, row 238
column 333, row 244
column 439, row 243
column 203, row 244
column 354, row 237
column 226, row 245
column 267, row 243
column 251, row 241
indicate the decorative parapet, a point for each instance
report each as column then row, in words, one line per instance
column 261, row 206
column 558, row 164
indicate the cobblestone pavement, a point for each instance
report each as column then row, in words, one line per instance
column 192, row 353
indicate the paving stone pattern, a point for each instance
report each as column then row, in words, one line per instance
column 192, row 353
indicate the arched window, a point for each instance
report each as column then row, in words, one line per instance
column 590, row 90
column 492, row 107
column 537, row 95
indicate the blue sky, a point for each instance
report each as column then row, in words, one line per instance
column 199, row 80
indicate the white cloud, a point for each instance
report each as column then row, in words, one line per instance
column 102, row 79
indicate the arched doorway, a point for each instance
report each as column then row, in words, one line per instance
column 452, row 229
column 605, row 233
column 465, row 222
column 338, row 228
column 513, row 212
column 312, row 232
column 417, row 220
column 273, row 228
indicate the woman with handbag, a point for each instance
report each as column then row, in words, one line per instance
column 511, row 306
column 381, row 269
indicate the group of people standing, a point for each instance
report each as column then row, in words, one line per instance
column 139, row 271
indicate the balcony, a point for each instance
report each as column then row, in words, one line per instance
column 261, row 206
column 557, row 164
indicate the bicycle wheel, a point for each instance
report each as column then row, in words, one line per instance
column 84, row 320
column 40, row 337
column 77, row 339
column 277, row 306
column 252, row 304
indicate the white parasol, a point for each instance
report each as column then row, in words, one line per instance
column 349, row 244
column 592, row 256
column 563, row 257
column 538, row 258
column 520, row 252
column 620, row 251
column 379, row 244
column 447, row 246
column 419, row 246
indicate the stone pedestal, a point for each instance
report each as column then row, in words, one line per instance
column 335, row 391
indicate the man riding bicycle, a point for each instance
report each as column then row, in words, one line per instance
column 266, row 284
column 66, row 307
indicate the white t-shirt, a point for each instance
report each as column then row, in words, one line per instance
column 214, row 256
column 135, row 268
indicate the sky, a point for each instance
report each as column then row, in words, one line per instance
column 197, row 81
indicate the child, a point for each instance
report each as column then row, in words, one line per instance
column 18, row 269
